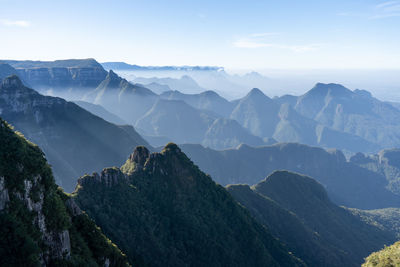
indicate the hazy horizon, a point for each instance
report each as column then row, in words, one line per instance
column 234, row 34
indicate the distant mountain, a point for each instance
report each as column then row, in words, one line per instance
column 346, row 183
column 126, row 100
column 268, row 118
column 40, row 224
column 207, row 100
column 101, row 112
column 163, row 211
column 182, row 123
column 226, row 133
column 386, row 163
column 177, row 120
column 298, row 212
column 126, row 66
column 75, row 141
column 6, row 70
column 258, row 113
column 386, row 219
column 69, row 79
column 157, row 88
column 184, row 84
column 355, row 112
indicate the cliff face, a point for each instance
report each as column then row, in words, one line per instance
column 61, row 73
column 39, row 223
column 169, row 213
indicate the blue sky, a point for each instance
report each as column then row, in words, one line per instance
column 255, row 35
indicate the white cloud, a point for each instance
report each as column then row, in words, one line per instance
column 264, row 34
column 383, row 10
column 16, row 23
column 386, row 10
column 252, row 44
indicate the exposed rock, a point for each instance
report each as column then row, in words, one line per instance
column 109, row 177
column 4, row 198
column 139, row 156
column 72, row 207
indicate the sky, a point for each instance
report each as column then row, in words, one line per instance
column 324, row 34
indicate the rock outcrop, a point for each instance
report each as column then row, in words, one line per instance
column 40, row 224
column 109, row 177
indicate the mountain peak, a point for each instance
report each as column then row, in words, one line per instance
column 140, row 155
column 256, row 92
column 172, row 147
column 113, row 76
column 12, row 81
column 291, row 186
column 334, row 88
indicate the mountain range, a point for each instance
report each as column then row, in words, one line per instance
column 329, row 115
column 346, row 183
column 74, row 140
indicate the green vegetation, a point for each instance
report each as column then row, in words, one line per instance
column 22, row 240
column 299, row 213
column 169, row 213
column 387, row 257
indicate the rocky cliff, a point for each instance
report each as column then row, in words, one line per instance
column 86, row 73
column 40, row 224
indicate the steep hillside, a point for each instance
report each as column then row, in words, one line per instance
column 40, row 224
column 122, row 98
column 74, row 140
column 298, row 212
column 101, row 112
column 309, row 201
column 347, row 184
column 386, row 219
column 163, row 211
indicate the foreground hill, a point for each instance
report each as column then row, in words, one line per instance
column 163, row 211
column 74, row 140
column 346, row 183
column 41, row 225
column 297, row 210
column 389, row 256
